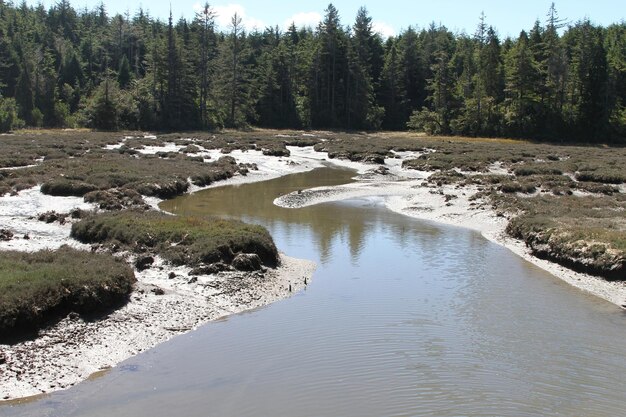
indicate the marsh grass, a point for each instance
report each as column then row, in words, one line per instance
column 28, row 146
column 538, row 182
column 179, row 240
column 37, row 287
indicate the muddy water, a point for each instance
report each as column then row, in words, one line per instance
column 403, row 318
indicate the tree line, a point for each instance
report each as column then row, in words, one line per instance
column 63, row 68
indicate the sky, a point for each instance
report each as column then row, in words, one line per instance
column 390, row 17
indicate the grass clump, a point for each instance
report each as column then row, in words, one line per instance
column 222, row 169
column 517, row 187
column 116, row 199
column 179, row 240
column 587, row 234
column 65, row 187
column 37, row 287
column 605, row 176
column 446, row 177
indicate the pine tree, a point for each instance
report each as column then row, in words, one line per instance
column 360, row 100
column 587, row 106
column 554, row 71
column 103, row 113
column 414, row 77
column 522, row 75
column 392, row 90
column 206, row 22
column 277, row 104
column 9, row 70
column 615, row 45
column 233, row 89
column 329, row 69
column 124, row 74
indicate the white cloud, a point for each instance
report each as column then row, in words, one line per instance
column 383, row 28
column 303, row 19
column 225, row 13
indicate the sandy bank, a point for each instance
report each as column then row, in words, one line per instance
column 160, row 308
column 405, row 191
column 166, row 302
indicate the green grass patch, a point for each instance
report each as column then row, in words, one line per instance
column 38, row 287
column 179, row 240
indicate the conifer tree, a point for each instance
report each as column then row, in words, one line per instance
column 522, row 74
column 392, row 90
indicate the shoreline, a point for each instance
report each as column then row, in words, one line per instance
column 74, row 349
column 407, row 194
column 77, row 349
column 159, row 308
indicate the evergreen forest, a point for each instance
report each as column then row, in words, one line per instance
column 62, row 67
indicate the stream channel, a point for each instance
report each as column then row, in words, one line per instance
column 402, row 318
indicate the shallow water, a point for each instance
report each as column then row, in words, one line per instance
column 402, row 318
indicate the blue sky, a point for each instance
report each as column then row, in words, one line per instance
column 390, row 16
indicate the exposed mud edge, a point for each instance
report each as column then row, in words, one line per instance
column 453, row 206
column 73, row 349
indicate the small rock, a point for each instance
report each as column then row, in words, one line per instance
column 158, row 291
column 73, row 316
column 172, row 275
column 77, row 213
column 247, row 262
column 144, row 263
column 374, row 159
column 3, row 358
column 209, row 269
column 382, row 170
column 6, row 234
column 26, row 236
column 192, row 280
column 51, row 217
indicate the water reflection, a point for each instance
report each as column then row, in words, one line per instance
column 351, row 222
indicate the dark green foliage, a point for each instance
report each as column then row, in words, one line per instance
column 68, row 68
column 123, row 75
column 36, row 287
column 102, row 112
column 180, row 240
column 9, row 119
column 392, row 92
